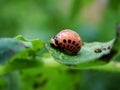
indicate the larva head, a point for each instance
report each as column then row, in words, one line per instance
column 68, row 41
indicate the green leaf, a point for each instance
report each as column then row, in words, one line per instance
column 27, row 53
column 36, row 44
column 8, row 48
column 21, row 38
column 95, row 55
column 86, row 54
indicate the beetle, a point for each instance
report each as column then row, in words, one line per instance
column 67, row 41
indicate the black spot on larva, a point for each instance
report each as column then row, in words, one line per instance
column 60, row 44
column 98, row 51
column 63, row 45
column 56, row 41
column 71, row 47
column 77, row 44
column 68, row 46
column 73, row 42
column 64, row 41
column 69, row 41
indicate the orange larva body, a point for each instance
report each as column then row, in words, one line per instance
column 67, row 40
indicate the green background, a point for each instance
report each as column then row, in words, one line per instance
column 94, row 20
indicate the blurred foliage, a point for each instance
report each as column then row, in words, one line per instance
column 20, row 53
column 50, row 78
column 42, row 19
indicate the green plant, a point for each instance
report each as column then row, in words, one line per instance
column 19, row 53
column 27, row 53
